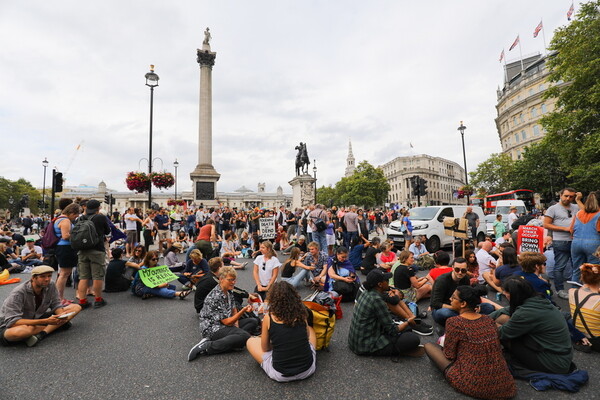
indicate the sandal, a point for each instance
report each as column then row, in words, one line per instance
column 146, row 296
column 183, row 294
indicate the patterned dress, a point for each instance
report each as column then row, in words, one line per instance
column 478, row 368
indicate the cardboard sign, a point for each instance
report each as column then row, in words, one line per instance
column 152, row 277
column 530, row 238
column 457, row 227
column 267, row 228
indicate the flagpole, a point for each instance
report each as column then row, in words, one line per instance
column 505, row 71
column 544, row 36
column 521, row 53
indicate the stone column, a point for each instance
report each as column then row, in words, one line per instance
column 303, row 190
column 205, row 177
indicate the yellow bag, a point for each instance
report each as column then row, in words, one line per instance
column 322, row 320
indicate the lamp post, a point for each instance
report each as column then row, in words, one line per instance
column 315, row 174
column 151, row 82
column 45, row 165
column 176, row 164
column 462, row 128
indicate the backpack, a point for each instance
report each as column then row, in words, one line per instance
column 84, row 235
column 322, row 320
column 49, row 238
column 522, row 220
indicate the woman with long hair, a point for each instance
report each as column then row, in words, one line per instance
column 66, row 256
column 286, row 348
column 471, row 359
column 585, row 228
column 165, row 290
column 472, row 267
column 585, row 308
column 266, row 268
column 405, row 278
column 149, row 230
column 291, row 265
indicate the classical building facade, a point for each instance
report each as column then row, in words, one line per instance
column 242, row 198
column 521, row 104
column 443, row 177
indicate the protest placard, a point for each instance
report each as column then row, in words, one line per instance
column 152, row 277
column 530, row 238
column 267, row 228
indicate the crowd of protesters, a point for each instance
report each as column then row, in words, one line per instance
column 337, row 251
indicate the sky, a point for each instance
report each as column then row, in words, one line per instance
column 385, row 74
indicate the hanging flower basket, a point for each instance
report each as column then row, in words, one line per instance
column 162, row 180
column 138, row 181
column 466, row 190
column 172, row 202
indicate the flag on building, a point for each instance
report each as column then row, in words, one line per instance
column 501, row 56
column 411, row 146
column 516, row 42
column 538, row 29
column 570, row 12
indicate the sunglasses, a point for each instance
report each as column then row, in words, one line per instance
column 460, row 270
column 154, row 259
column 264, row 267
column 569, row 213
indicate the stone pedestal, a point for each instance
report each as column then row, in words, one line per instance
column 303, row 190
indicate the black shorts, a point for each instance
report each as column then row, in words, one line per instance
column 3, row 341
column 66, row 256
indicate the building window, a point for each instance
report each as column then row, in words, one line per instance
column 514, row 121
column 542, row 87
column 516, row 138
column 531, row 92
column 533, row 112
column 523, row 135
column 536, row 130
column 521, row 118
column 518, row 154
column 544, row 109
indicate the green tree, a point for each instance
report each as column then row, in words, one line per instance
column 573, row 128
column 327, row 195
column 494, row 175
column 15, row 190
column 367, row 187
column 538, row 170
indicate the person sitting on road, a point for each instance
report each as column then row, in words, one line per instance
column 195, row 268
column 442, row 260
column 291, row 265
column 165, row 290
column 266, row 268
column 286, row 348
column 31, row 255
column 301, row 244
column 135, row 262
column 221, row 323
column 510, row 266
column 532, row 267
column 584, row 303
column 387, row 257
column 423, row 259
column 171, row 259
column 318, row 260
column 115, row 279
column 229, row 253
column 372, row 330
column 444, row 287
column 370, row 259
column 405, row 278
column 487, row 265
column 472, row 267
column 24, row 315
column 533, row 332
column 471, row 359
column 341, row 276
column 357, row 247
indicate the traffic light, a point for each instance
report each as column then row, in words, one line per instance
column 57, row 184
column 414, row 183
column 107, row 199
column 40, row 204
column 112, row 200
column 422, row 187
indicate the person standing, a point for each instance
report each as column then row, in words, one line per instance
column 319, row 236
column 351, row 223
column 66, row 255
column 473, row 219
column 131, row 220
column 162, row 225
column 512, row 217
column 558, row 221
column 92, row 262
column 585, row 228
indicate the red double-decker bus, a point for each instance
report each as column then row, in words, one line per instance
column 525, row 195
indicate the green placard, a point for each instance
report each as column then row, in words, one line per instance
column 152, row 277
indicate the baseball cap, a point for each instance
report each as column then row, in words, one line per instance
column 375, row 276
column 42, row 269
column 30, row 240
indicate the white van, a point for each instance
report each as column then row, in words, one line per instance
column 503, row 207
column 429, row 222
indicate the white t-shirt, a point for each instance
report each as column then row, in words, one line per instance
column 512, row 217
column 26, row 250
column 484, row 259
column 129, row 224
column 265, row 268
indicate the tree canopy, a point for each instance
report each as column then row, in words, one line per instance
column 15, row 190
column 494, row 175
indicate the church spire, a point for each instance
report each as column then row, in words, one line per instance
column 350, row 162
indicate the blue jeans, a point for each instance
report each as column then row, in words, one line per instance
column 321, row 238
column 440, row 315
column 562, row 263
column 582, row 251
column 349, row 237
column 297, row 279
column 167, row 292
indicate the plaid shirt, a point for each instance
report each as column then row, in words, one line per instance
column 320, row 261
column 371, row 324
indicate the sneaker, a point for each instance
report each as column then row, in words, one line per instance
column 422, row 315
column 423, row 330
column 32, row 341
column 199, row 349
column 563, row 294
column 85, row 305
column 101, row 303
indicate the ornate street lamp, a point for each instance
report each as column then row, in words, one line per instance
column 176, row 165
column 462, row 128
column 151, row 82
column 45, row 165
column 315, row 174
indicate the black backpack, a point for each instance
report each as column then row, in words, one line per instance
column 522, row 220
column 84, row 235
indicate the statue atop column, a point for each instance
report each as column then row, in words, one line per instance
column 302, row 160
column 207, row 36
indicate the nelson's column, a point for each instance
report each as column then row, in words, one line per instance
column 205, row 177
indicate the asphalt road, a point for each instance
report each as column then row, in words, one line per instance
column 134, row 349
